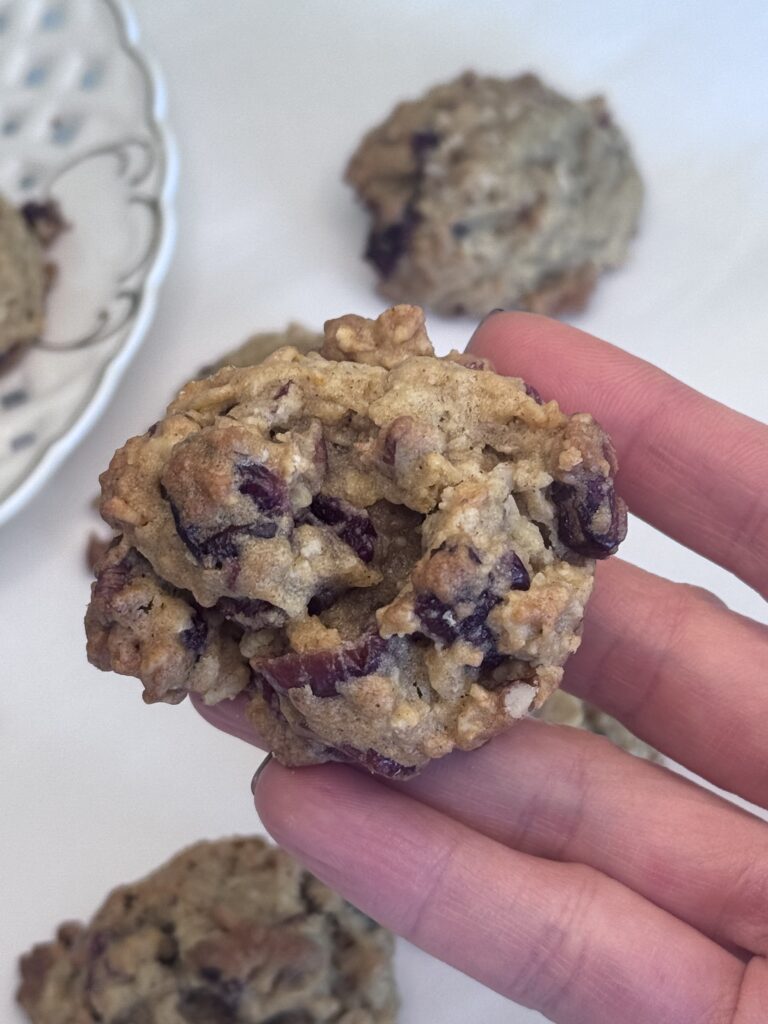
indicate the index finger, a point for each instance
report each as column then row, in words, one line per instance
column 689, row 465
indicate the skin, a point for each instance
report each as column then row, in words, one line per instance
column 551, row 866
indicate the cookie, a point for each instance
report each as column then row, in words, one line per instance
column 228, row 932
column 258, row 346
column 390, row 553
column 22, row 281
column 565, row 709
column 496, row 193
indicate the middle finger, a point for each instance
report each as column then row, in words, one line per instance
column 681, row 671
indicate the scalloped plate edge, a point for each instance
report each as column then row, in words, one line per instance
column 86, row 416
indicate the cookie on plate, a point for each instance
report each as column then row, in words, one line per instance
column 22, row 281
column 390, row 553
column 491, row 192
column 228, row 932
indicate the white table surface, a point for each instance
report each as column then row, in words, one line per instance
column 267, row 99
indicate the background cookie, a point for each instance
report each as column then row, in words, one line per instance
column 228, row 932
column 490, row 192
column 564, row 709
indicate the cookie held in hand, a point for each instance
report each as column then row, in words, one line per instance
column 388, row 552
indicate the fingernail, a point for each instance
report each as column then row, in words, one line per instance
column 259, row 770
column 487, row 316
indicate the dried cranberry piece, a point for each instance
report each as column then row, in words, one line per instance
column 375, row 762
column 263, row 487
column 352, row 525
column 437, row 618
column 591, row 518
column 423, row 141
column 214, row 548
column 386, row 246
column 112, row 578
column 268, row 494
column 531, row 391
column 251, row 612
column 195, row 637
column 44, row 220
column 203, row 1006
column 440, row 621
column 322, row 600
column 322, row 671
column 509, row 573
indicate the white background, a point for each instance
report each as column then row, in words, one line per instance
column 267, row 100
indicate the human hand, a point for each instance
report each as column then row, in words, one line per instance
column 551, row 866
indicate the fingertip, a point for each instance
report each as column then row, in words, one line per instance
column 229, row 716
column 301, row 808
column 501, row 329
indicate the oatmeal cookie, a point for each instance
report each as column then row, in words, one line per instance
column 228, row 932
column 490, row 192
column 22, row 280
column 389, row 552
column 24, row 274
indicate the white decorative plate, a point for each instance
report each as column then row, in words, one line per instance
column 81, row 121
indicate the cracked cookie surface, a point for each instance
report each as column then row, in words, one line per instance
column 490, row 192
column 390, row 553
column 227, row 932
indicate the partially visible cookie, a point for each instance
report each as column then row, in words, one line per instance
column 258, row 346
column 228, row 932
column 565, row 709
column 22, row 280
column 388, row 552
column 490, row 192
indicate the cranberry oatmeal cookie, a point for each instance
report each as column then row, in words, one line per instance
column 228, row 932
column 490, row 192
column 24, row 274
column 390, row 553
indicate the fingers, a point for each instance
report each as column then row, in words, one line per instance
column 677, row 668
column 577, row 798
column 229, row 716
column 681, row 671
column 689, row 465
column 566, row 795
column 558, row 937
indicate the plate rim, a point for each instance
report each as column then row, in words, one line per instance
column 57, row 450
